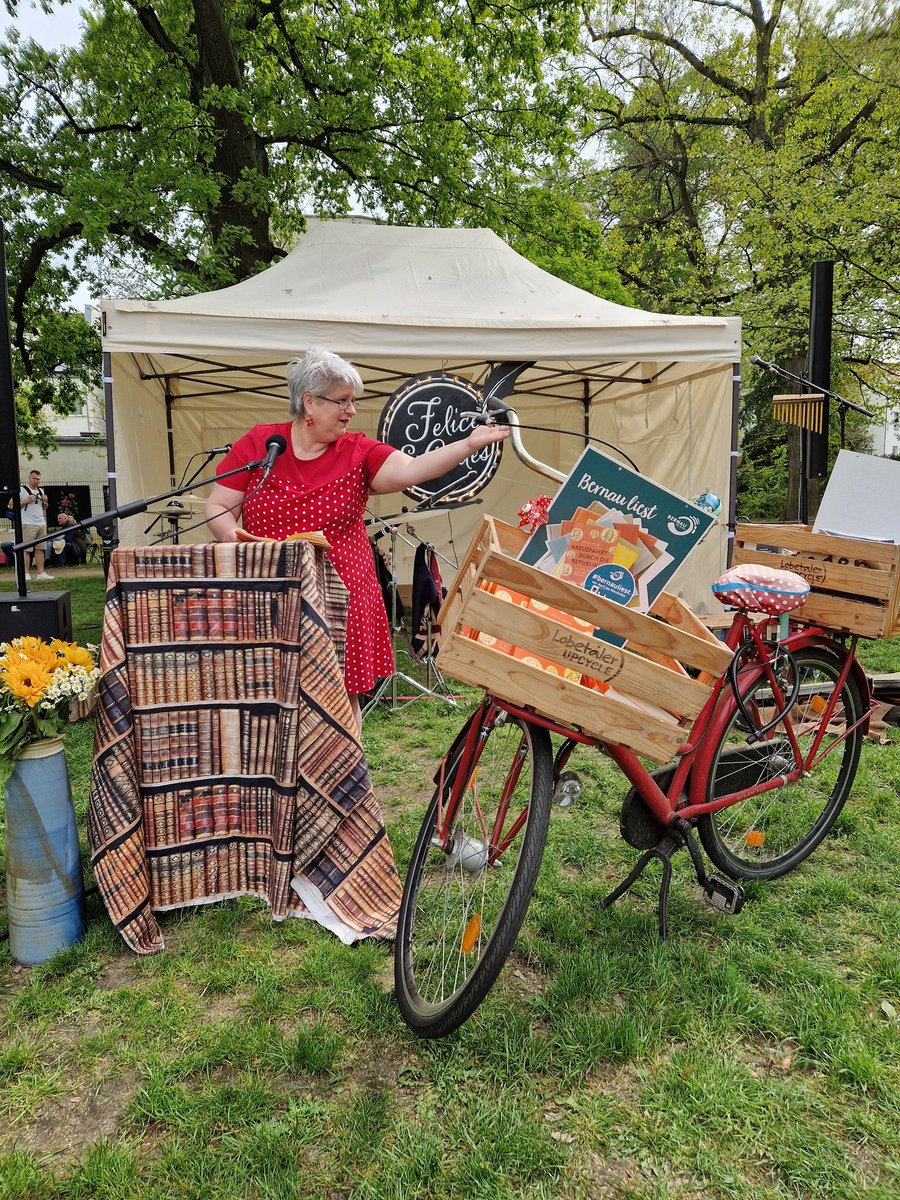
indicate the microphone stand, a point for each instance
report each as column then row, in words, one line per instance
column 132, row 509
column 843, row 405
column 434, row 679
column 174, row 517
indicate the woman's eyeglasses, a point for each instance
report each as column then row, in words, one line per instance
column 343, row 405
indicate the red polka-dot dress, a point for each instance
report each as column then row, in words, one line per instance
column 327, row 493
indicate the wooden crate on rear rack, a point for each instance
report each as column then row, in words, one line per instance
column 854, row 584
column 651, row 701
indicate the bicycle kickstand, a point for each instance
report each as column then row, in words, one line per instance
column 722, row 894
column 669, row 843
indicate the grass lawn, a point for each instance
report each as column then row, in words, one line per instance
column 745, row 1058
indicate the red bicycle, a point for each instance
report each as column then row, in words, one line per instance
column 760, row 780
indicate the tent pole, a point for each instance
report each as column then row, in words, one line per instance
column 112, row 539
column 170, row 402
column 586, row 411
column 733, row 464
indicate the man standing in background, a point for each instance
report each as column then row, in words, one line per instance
column 33, row 502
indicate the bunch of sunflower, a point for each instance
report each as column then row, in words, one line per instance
column 39, row 683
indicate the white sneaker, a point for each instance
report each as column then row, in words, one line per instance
column 43, row 575
column 27, row 576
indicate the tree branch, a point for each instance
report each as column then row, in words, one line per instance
column 14, row 171
column 683, row 51
column 28, row 272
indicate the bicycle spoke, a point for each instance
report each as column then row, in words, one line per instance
column 463, row 901
column 764, row 835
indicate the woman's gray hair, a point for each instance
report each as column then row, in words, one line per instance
column 316, row 372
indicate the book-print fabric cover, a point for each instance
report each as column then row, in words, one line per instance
column 224, row 762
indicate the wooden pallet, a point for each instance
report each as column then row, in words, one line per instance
column 854, row 584
column 652, row 699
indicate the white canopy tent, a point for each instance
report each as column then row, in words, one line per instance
column 193, row 373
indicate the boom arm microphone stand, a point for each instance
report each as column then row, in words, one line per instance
column 177, row 514
column 844, row 406
column 434, row 679
column 139, row 506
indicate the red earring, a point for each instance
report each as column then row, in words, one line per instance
column 309, row 422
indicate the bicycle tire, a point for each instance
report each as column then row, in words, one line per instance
column 765, row 836
column 439, row 982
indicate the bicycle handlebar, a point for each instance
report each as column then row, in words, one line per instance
column 500, row 408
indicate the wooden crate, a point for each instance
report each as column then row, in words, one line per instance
column 854, row 584
column 654, row 699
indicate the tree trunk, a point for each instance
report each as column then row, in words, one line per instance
column 795, row 364
column 238, row 153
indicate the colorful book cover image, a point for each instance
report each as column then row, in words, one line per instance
column 615, row 532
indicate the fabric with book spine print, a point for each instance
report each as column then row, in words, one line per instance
column 223, row 765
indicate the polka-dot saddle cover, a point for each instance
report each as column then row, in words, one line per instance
column 761, row 589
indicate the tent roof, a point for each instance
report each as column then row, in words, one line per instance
column 382, row 293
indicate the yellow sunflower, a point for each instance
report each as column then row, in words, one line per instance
column 29, row 650
column 73, row 655
column 26, row 680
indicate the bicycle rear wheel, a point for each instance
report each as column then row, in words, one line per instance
column 463, row 905
column 765, row 836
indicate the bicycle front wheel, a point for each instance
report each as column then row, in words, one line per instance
column 765, row 836
column 466, row 895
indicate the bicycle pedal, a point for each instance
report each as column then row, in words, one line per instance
column 724, row 895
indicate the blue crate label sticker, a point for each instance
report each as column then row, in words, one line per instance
column 612, row 582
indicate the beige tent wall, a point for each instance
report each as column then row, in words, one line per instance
column 400, row 301
column 677, row 433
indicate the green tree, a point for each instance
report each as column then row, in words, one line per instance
column 178, row 146
column 739, row 142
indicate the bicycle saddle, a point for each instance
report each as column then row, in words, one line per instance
column 756, row 588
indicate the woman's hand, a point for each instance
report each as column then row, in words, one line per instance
column 486, row 435
column 402, row 470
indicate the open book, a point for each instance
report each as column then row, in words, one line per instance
column 316, row 536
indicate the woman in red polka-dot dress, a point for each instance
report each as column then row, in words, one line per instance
column 323, row 481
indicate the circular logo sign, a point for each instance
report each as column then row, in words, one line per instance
column 612, row 581
column 432, row 410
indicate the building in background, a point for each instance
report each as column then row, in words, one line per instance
column 78, row 464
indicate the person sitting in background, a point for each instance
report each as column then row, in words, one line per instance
column 71, row 546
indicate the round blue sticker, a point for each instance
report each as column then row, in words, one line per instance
column 612, row 581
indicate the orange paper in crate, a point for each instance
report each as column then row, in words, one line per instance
column 648, row 698
column 555, row 614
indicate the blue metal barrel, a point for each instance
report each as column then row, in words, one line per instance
column 44, row 885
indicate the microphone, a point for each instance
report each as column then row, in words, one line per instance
column 220, row 449
column 275, row 444
column 761, row 362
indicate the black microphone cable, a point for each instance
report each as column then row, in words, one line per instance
column 484, row 418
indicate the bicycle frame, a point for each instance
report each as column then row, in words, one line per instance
column 691, row 773
column 694, row 763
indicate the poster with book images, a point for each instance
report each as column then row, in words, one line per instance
column 615, row 532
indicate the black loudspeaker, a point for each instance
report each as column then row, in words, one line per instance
column 46, row 615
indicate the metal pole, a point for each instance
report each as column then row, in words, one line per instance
column 821, row 306
column 9, row 442
column 732, row 470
